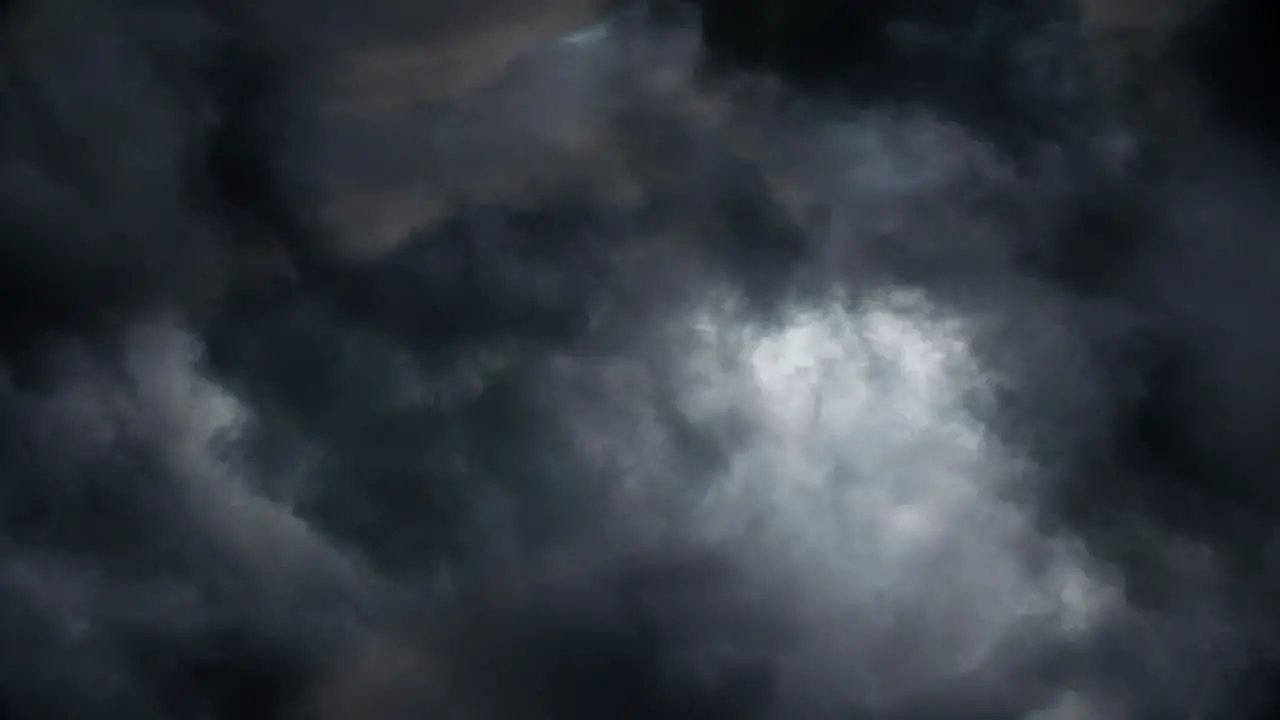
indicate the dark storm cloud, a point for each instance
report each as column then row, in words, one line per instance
column 681, row 371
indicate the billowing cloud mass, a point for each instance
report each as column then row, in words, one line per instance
column 721, row 361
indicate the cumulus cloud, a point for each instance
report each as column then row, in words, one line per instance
column 666, row 374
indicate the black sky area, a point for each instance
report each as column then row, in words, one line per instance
column 743, row 360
